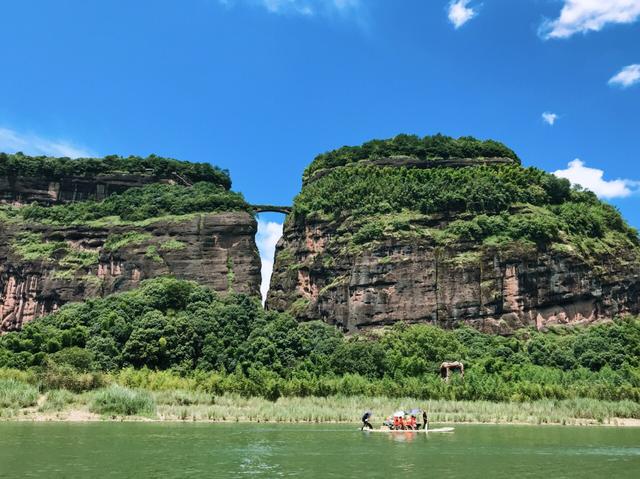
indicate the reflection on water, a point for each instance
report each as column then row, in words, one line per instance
column 404, row 436
column 57, row 450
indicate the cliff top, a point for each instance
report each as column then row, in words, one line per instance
column 488, row 199
column 436, row 147
column 52, row 168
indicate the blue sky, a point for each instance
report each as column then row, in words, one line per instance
column 262, row 86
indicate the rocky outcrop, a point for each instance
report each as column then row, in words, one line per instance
column 415, row 280
column 43, row 267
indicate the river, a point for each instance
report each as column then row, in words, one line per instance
column 163, row 450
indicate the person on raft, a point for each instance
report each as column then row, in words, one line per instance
column 411, row 423
column 365, row 420
column 425, row 420
column 398, row 422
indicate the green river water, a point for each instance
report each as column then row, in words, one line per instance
column 161, row 450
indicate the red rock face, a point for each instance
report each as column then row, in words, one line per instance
column 19, row 302
column 216, row 250
column 417, row 281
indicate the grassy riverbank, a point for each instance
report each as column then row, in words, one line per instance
column 21, row 401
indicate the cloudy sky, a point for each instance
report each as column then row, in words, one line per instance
column 261, row 86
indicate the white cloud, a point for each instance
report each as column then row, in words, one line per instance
column 593, row 179
column 269, row 232
column 629, row 75
column 12, row 141
column 582, row 16
column 460, row 13
column 549, row 118
column 302, row 7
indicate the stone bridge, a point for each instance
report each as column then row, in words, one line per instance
column 285, row 210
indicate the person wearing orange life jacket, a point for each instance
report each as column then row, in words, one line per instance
column 396, row 422
column 412, row 422
column 401, row 423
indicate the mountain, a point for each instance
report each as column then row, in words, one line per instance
column 448, row 232
column 76, row 229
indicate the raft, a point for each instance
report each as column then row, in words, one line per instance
column 410, row 431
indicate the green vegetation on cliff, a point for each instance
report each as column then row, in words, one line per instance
column 138, row 204
column 52, row 168
column 32, row 247
column 495, row 205
column 231, row 345
column 427, row 148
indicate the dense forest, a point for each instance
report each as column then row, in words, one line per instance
column 52, row 168
column 232, row 345
column 430, row 147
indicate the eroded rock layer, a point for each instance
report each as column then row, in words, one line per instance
column 416, row 280
column 27, row 189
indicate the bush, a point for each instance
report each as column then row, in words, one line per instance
column 118, row 400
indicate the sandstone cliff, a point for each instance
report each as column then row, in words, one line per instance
column 417, row 280
column 45, row 263
column 348, row 258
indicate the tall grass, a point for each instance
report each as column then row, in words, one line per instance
column 28, row 376
column 57, row 400
column 200, row 397
column 16, row 394
column 118, row 400
column 348, row 409
column 154, row 380
column 65, row 377
column 180, row 397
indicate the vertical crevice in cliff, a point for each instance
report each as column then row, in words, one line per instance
column 436, row 256
column 481, row 299
column 267, row 236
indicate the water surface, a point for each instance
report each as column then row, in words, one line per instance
column 162, row 450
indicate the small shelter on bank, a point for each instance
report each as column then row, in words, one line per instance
column 447, row 367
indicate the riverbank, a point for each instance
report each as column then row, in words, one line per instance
column 122, row 404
